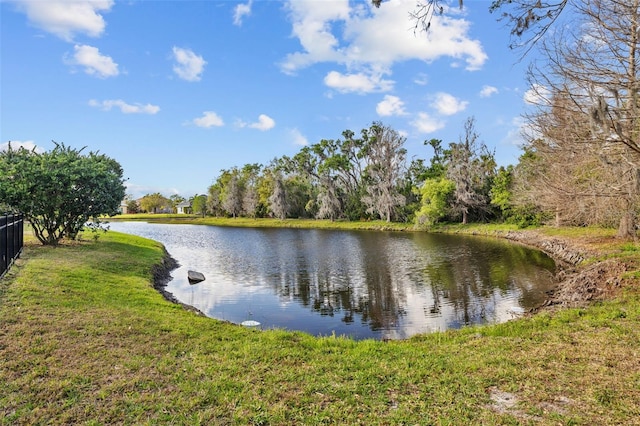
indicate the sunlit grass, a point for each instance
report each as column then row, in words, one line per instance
column 85, row 339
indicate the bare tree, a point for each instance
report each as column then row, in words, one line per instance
column 424, row 12
column 587, row 123
column 529, row 20
column 561, row 171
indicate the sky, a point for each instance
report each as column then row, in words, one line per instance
column 177, row 91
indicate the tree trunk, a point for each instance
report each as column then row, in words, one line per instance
column 464, row 217
column 627, row 227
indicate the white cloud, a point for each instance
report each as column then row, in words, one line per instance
column 93, row 61
column 519, row 131
column 66, row 18
column 264, row 123
column 125, row 108
column 391, row 105
column 488, row 91
column 298, row 138
column 425, row 123
column 311, row 22
column 240, row 11
column 537, row 95
column 189, row 66
column 358, row 83
column 368, row 41
column 447, row 104
column 209, row 119
column 421, row 79
column 15, row 145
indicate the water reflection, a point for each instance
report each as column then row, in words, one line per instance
column 361, row 284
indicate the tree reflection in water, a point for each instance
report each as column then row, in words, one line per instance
column 364, row 284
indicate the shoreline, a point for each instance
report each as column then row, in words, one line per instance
column 577, row 284
column 162, row 275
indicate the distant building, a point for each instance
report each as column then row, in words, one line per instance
column 183, row 208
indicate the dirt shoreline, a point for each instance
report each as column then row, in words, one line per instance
column 577, row 285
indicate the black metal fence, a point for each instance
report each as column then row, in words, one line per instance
column 11, row 240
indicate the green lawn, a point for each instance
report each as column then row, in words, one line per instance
column 85, row 339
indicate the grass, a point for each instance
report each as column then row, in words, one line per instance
column 85, row 339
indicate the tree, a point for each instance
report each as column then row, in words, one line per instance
column 501, row 191
column 507, row 183
column 333, row 172
column 61, row 190
column 350, row 163
column 340, row 163
column 132, row 206
column 265, row 188
column 469, row 166
column 385, row 155
column 175, row 200
column 250, row 198
column 199, row 205
column 437, row 167
column 529, row 19
column 299, row 195
column 151, row 203
column 278, row 199
column 232, row 195
column 412, row 181
column 250, row 201
column 587, row 124
column 437, row 194
column 329, row 206
column 214, row 205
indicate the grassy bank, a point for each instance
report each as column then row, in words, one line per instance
column 85, row 339
column 373, row 225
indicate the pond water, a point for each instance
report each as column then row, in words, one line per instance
column 363, row 284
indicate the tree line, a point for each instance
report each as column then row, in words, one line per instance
column 367, row 176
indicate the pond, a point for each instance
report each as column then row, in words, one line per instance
column 362, row 284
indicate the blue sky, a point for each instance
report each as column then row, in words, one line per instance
column 178, row 90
